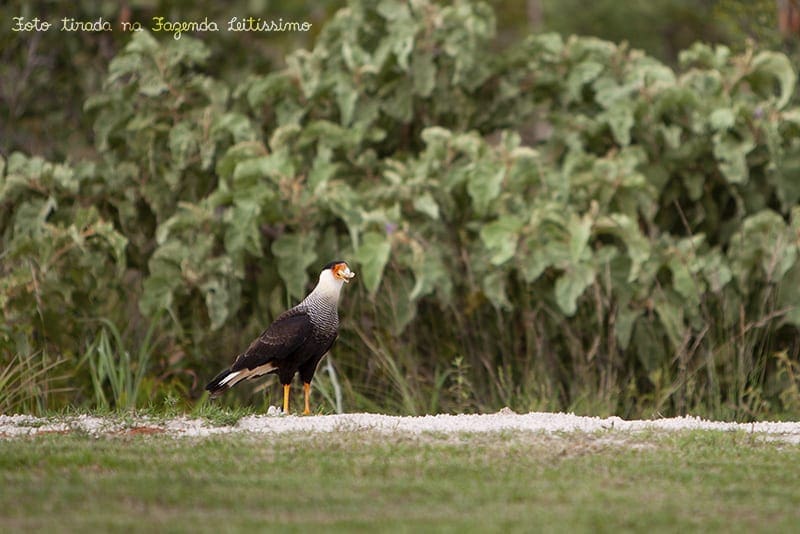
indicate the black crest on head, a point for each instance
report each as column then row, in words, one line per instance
column 331, row 264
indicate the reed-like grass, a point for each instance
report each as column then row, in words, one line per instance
column 118, row 369
column 29, row 382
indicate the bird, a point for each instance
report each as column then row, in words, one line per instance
column 295, row 342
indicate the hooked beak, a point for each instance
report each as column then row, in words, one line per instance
column 347, row 275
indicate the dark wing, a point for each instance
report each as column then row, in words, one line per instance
column 278, row 341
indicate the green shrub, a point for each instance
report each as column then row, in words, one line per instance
column 568, row 225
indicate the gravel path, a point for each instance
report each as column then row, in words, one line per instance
column 504, row 420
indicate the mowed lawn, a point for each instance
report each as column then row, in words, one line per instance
column 370, row 482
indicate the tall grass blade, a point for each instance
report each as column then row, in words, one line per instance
column 26, row 382
column 112, row 368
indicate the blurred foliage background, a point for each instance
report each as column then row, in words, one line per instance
column 33, row 64
column 605, row 223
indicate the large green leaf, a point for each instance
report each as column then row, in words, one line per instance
column 242, row 232
column 277, row 165
column 580, row 75
column 620, row 120
column 295, row 253
column 346, row 98
column 183, row 143
column 571, row 285
column 423, row 71
column 222, row 299
column 624, row 323
column 762, row 249
column 116, row 241
column 485, row 182
column 372, row 255
column 779, row 67
column 323, row 169
column 430, row 274
column 637, row 245
column 494, row 287
column 685, row 263
column 671, row 315
column 426, row 204
column 580, row 229
column 500, row 238
column 731, row 151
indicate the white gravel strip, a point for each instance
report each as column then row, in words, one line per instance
column 504, row 420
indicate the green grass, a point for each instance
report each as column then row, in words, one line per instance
column 698, row 481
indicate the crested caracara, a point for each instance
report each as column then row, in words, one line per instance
column 295, row 342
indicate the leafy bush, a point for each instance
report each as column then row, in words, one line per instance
column 568, row 225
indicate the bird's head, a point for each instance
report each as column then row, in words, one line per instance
column 332, row 278
column 340, row 271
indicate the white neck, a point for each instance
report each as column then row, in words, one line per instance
column 328, row 287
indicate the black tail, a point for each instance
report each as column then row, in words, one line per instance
column 215, row 388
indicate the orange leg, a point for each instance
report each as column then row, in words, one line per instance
column 307, row 391
column 286, row 398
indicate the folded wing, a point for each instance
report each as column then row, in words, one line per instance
column 279, row 341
